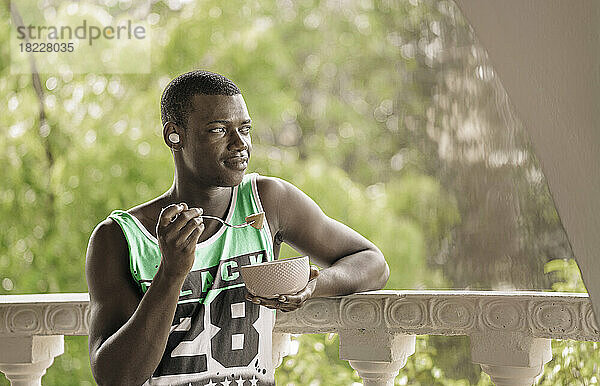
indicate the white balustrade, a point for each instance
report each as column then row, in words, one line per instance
column 510, row 332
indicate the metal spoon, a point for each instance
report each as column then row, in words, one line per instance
column 256, row 220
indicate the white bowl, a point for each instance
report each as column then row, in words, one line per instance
column 278, row 277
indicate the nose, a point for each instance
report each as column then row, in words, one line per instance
column 237, row 142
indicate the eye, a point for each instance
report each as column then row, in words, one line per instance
column 245, row 129
column 218, row 130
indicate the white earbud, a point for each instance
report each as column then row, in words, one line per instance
column 174, row 137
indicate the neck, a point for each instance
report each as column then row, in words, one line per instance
column 212, row 199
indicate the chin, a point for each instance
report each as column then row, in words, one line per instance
column 234, row 179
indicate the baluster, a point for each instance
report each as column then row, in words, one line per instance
column 510, row 359
column 24, row 359
column 377, row 356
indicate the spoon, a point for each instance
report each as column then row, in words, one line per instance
column 256, row 220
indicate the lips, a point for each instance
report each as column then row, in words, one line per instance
column 237, row 162
column 238, row 158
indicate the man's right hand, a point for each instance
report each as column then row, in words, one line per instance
column 178, row 230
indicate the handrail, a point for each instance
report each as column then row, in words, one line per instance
column 509, row 332
column 555, row 315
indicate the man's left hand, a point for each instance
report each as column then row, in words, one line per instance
column 287, row 303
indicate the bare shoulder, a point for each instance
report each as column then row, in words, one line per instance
column 107, row 229
column 108, row 237
column 290, row 204
column 271, row 188
column 106, row 257
column 277, row 191
column 277, row 195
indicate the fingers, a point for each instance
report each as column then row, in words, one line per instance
column 291, row 302
column 272, row 304
column 168, row 214
column 192, row 224
column 187, row 236
column 296, row 299
column 284, row 302
column 184, row 218
column 192, row 240
column 179, row 228
column 176, row 222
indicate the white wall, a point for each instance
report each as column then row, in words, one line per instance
column 547, row 55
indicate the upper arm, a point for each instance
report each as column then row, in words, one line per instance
column 302, row 224
column 113, row 295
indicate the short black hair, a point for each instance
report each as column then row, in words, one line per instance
column 176, row 99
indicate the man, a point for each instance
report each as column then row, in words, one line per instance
column 167, row 303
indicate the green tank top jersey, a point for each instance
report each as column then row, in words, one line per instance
column 216, row 335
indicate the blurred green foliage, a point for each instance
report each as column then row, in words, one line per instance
column 350, row 102
column 573, row 363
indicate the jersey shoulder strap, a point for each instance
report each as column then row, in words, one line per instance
column 141, row 244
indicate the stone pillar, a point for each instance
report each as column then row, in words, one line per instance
column 24, row 359
column 510, row 359
column 377, row 356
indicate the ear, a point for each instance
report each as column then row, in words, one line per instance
column 174, row 135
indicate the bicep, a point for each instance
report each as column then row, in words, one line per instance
column 113, row 296
column 309, row 230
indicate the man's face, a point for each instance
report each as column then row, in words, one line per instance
column 218, row 145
